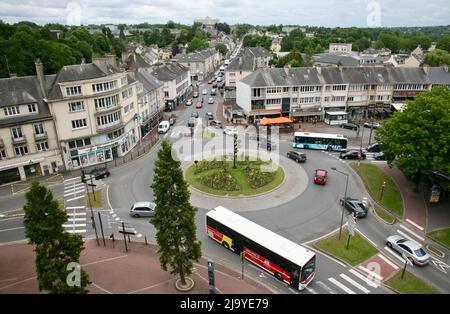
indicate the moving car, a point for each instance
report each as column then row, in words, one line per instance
column 379, row 156
column 189, row 102
column 209, row 116
column 164, row 126
column 214, row 85
column 191, row 122
column 99, row 173
column 374, row 148
column 213, row 92
column 230, row 130
column 195, row 95
column 194, row 114
column 142, row 209
column 350, row 126
column 410, row 249
column 216, row 123
column 210, row 100
column 210, row 81
column 320, row 176
column 298, row 157
column 219, row 79
column 199, row 105
column 204, row 92
column 372, row 125
column 354, row 206
column 352, row 154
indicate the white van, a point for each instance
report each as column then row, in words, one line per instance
column 163, row 127
column 222, row 69
column 227, row 62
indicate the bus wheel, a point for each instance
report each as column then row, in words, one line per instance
column 278, row 276
column 225, row 245
column 329, row 148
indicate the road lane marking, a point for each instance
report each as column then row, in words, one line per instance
column 394, row 254
column 311, row 290
column 387, row 261
column 357, row 285
column 406, row 236
column 76, row 214
column 74, row 225
column 414, row 224
column 71, row 179
column 331, row 291
column 75, row 192
column 75, row 198
column 413, row 233
column 371, row 273
column 76, row 207
column 342, row 286
column 6, row 219
column 3, row 230
column 365, row 279
column 76, row 219
column 77, row 231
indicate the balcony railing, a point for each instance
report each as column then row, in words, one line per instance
column 41, row 136
column 19, row 140
column 107, row 109
column 110, row 127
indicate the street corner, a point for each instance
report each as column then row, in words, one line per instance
column 378, row 268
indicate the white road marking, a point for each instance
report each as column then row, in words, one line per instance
column 371, row 273
column 3, row 230
column 293, row 291
column 365, row 279
column 75, row 198
column 76, row 219
column 413, row 233
column 74, row 192
column 76, row 207
column 387, row 261
column 357, row 285
column 139, row 235
column 76, row 214
column 331, row 291
column 440, row 265
column 111, row 212
column 77, row 231
column 71, row 179
column 71, row 187
column 394, row 254
column 406, row 236
column 117, row 219
column 114, row 215
column 414, row 224
column 373, row 243
column 74, row 225
column 342, row 286
column 311, row 290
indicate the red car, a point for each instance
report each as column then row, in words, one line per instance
column 199, row 105
column 320, row 177
column 210, row 81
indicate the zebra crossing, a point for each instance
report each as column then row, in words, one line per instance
column 74, row 199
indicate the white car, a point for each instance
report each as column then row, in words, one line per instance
column 164, row 126
column 219, row 79
column 210, row 100
column 410, row 249
column 204, row 92
column 189, row 102
column 230, row 130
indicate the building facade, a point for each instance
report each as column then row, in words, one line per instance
column 339, row 48
column 201, row 64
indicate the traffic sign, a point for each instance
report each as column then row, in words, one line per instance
column 351, row 225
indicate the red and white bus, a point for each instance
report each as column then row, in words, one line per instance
column 286, row 260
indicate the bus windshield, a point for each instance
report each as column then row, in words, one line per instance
column 308, row 270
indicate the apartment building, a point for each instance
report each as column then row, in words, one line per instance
column 176, row 81
column 339, row 48
column 28, row 140
column 310, row 92
column 248, row 60
column 95, row 109
column 201, row 64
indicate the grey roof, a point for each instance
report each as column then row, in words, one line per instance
column 135, row 61
column 438, row 75
column 19, row 90
column 199, row 56
column 42, row 115
column 168, row 71
column 260, row 52
column 336, row 59
column 149, row 82
column 334, row 75
column 243, row 61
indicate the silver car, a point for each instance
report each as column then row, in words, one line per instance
column 143, row 209
column 412, row 250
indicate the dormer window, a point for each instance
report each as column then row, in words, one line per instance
column 11, row 111
column 32, row 108
column 74, row 90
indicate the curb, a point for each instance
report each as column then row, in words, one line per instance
column 381, row 219
column 435, row 249
column 12, row 216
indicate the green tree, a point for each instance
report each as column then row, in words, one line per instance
column 437, row 57
column 100, row 43
column 174, row 217
column 222, row 49
column 55, row 248
column 415, row 139
column 197, row 44
column 223, row 27
column 444, row 43
column 152, row 38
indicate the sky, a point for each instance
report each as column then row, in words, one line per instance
column 328, row 13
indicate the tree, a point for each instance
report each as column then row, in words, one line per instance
column 222, row 49
column 174, row 217
column 437, row 57
column 444, row 43
column 197, row 44
column 55, row 248
column 223, row 27
column 416, row 138
column 175, row 49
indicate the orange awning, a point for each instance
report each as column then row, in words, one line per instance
column 266, row 121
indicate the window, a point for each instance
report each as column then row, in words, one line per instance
column 108, row 119
column 76, row 106
column 123, row 80
column 131, row 106
column 78, row 124
column 80, row 143
column 294, row 100
column 256, row 92
column 273, row 101
column 372, row 97
column 126, row 109
column 32, row 108
column 350, row 98
column 106, row 102
column 326, row 99
column 17, row 132
column 273, row 90
column 337, row 98
column 295, row 89
column 21, row 150
column 74, row 90
column 100, row 87
column 307, row 89
column 38, row 128
column 116, row 133
column 166, row 94
column 2, row 154
column 42, row 146
column 127, row 93
column 339, row 87
column 11, row 110
column 285, row 89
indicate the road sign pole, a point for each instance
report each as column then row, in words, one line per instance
column 348, row 241
column 101, row 228
column 92, row 216
column 404, row 269
column 124, row 237
column 92, row 186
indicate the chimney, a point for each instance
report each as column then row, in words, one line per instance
column 318, row 68
column 445, row 67
column 426, row 68
column 83, row 61
column 40, row 76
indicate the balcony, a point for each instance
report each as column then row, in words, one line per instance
column 18, row 140
column 1, row 143
column 110, row 127
column 107, row 110
column 41, row 136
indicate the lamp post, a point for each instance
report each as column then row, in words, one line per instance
column 362, row 136
column 345, row 197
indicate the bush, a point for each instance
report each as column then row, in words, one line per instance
column 220, row 179
column 256, row 178
column 206, row 165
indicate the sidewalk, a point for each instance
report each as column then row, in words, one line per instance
column 112, row 270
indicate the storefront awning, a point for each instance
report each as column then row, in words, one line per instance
column 279, row 120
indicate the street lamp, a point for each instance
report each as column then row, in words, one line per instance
column 345, row 197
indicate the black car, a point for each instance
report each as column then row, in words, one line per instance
column 350, row 126
column 194, row 114
column 298, row 157
column 214, row 85
column 354, row 206
column 209, row 116
column 379, row 156
column 374, row 148
column 99, row 173
column 352, row 154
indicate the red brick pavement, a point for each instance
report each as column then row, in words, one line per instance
column 112, row 270
column 378, row 266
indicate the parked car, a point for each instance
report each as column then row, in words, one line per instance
column 209, row 116
column 354, row 206
column 320, row 176
column 352, row 154
column 297, row 156
column 379, row 156
column 216, row 123
column 99, row 173
column 195, row 95
column 210, row 100
column 372, row 125
column 163, row 126
column 214, row 85
column 189, row 102
column 172, row 120
column 230, row 130
column 350, row 126
column 410, row 249
column 194, row 114
column 210, row 81
column 204, row 92
column 374, row 148
column 199, row 105
column 213, row 92
column 191, row 122
column 142, row 209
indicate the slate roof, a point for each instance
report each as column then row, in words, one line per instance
column 135, row 61
column 149, row 82
column 168, row 72
column 333, row 58
column 199, row 56
column 438, row 75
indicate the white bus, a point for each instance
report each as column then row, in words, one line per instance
column 337, row 142
column 284, row 259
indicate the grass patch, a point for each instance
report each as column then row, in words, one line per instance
column 383, row 214
column 373, row 178
column 98, row 202
column 410, row 284
column 441, row 236
column 358, row 251
column 244, row 187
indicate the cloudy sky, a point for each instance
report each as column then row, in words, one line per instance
column 330, row 13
